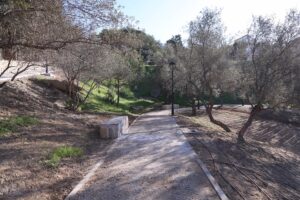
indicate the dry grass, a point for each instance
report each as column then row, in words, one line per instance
column 266, row 167
column 23, row 152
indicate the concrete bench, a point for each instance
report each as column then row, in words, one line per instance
column 114, row 127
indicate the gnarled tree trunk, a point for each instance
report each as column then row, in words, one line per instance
column 256, row 109
column 208, row 109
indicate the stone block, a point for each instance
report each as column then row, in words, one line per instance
column 114, row 127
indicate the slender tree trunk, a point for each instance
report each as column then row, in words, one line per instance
column 72, row 94
column 70, row 88
column 20, row 71
column 8, row 66
column 118, row 92
column 248, row 123
column 208, row 109
column 80, row 102
column 194, row 111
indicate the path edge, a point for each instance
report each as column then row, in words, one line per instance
column 92, row 171
column 207, row 173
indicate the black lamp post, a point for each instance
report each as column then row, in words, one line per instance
column 172, row 66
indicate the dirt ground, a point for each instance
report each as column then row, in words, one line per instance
column 266, row 167
column 23, row 174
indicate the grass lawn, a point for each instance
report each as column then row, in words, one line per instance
column 11, row 124
column 63, row 152
column 129, row 104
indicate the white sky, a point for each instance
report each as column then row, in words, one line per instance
column 165, row 18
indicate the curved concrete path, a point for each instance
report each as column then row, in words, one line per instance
column 152, row 161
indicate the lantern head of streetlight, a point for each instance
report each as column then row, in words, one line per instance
column 172, row 62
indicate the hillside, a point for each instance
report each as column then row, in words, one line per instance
column 266, row 167
column 129, row 103
column 33, row 129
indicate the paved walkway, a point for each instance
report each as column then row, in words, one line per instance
column 152, row 162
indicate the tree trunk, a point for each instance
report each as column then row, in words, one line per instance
column 70, row 83
column 82, row 101
column 194, row 111
column 208, row 109
column 248, row 123
column 198, row 104
column 71, row 94
column 118, row 92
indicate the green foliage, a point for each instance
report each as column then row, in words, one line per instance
column 110, row 95
column 224, row 98
column 127, row 93
column 13, row 123
column 182, row 100
column 147, row 80
column 63, row 152
column 228, row 98
column 179, row 99
column 143, row 89
column 21, row 4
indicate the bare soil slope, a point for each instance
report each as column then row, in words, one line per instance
column 267, row 167
column 23, row 174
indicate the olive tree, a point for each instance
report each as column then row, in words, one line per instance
column 124, row 55
column 51, row 24
column 119, row 71
column 84, row 67
column 268, row 57
column 207, row 65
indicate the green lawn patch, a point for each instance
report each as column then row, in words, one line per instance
column 98, row 101
column 11, row 124
column 63, row 152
